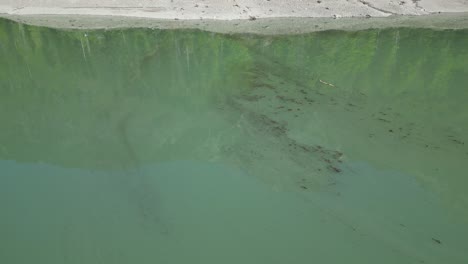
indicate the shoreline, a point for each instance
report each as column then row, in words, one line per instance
column 262, row 26
column 267, row 17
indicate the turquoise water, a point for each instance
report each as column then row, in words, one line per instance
column 146, row 145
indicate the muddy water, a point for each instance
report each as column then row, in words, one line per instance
column 145, row 145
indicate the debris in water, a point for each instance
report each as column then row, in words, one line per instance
column 329, row 84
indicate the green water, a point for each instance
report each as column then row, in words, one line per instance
column 153, row 146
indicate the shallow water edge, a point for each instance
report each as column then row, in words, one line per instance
column 263, row 26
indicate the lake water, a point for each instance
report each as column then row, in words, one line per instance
column 183, row 146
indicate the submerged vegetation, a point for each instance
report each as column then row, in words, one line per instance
column 395, row 92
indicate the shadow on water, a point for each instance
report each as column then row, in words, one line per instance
column 155, row 142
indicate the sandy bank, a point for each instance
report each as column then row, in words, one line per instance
column 231, row 9
column 266, row 26
column 259, row 16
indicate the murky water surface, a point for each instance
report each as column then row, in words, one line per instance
column 152, row 146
